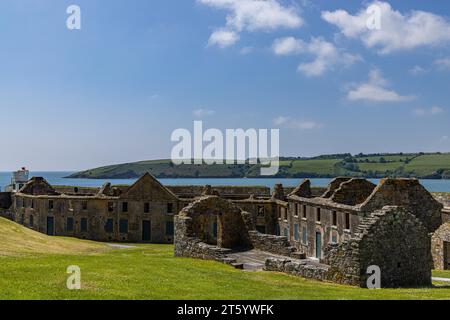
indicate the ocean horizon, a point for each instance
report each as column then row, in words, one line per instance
column 58, row 178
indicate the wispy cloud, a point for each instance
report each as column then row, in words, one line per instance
column 200, row 113
column 376, row 90
column 418, row 70
column 443, row 64
column 325, row 54
column 433, row 111
column 290, row 123
column 399, row 31
column 246, row 50
column 251, row 16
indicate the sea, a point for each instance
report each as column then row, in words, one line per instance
column 58, row 178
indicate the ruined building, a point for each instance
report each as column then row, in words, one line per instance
column 335, row 237
column 331, row 234
column 142, row 212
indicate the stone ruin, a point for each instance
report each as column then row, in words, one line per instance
column 392, row 239
column 209, row 228
column 330, row 235
column 391, row 228
column 212, row 228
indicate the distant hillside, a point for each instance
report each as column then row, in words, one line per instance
column 420, row 165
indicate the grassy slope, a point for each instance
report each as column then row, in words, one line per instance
column 151, row 272
column 419, row 166
column 17, row 240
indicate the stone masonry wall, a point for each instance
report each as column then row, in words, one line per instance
column 224, row 191
column 443, row 198
column 193, row 226
column 438, row 240
column 5, row 200
column 5, row 213
column 410, row 194
column 301, row 268
column 393, row 239
column 334, row 185
column 271, row 243
column 353, row 192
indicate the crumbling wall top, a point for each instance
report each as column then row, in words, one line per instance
column 303, row 190
column 408, row 193
column 334, row 184
column 353, row 191
column 38, row 186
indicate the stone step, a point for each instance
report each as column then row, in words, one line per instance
column 238, row 265
column 252, row 266
column 298, row 255
column 229, row 260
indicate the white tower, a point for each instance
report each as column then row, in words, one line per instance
column 18, row 180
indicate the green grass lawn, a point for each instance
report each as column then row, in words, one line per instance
column 152, row 272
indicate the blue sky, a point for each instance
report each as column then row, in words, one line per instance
column 115, row 90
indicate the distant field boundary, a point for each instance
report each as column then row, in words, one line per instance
column 373, row 166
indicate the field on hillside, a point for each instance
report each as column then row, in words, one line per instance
column 152, row 272
column 436, row 166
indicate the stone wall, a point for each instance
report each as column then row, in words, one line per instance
column 262, row 213
column 353, row 192
column 334, row 185
column 410, row 194
column 38, row 186
column 393, row 239
column 76, row 190
column 231, row 192
column 303, row 190
column 8, row 214
column 194, row 223
column 443, row 198
column 439, row 240
column 193, row 247
column 145, row 211
column 300, row 268
column 5, row 200
column 271, row 243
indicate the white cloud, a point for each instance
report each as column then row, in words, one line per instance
column 428, row 111
column 376, row 89
column 223, row 38
column 417, row 71
column 280, row 120
column 295, row 124
column 443, row 64
column 200, row 113
column 436, row 110
column 398, row 31
column 325, row 54
column 288, row 46
column 252, row 15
